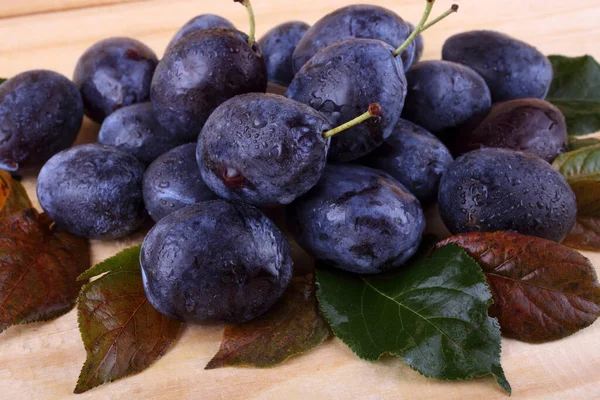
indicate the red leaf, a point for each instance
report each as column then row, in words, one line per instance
column 542, row 290
column 122, row 333
column 585, row 235
column 38, row 269
column 13, row 196
column 294, row 325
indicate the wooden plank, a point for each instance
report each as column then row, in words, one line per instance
column 58, row 39
column 29, row 7
column 42, row 361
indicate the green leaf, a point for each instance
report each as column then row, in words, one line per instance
column 2, row 80
column 579, row 164
column 121, row 332
column 126, row 260
column 293, row 326
column 575, row 90
column 433, row 314
column 576, row 144
column 582, row 170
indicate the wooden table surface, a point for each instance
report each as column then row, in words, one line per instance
column 42, row 361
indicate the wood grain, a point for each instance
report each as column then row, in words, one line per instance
column 42, row 361
column 29, row 7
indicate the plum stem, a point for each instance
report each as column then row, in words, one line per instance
column 451, row 10
column 374, row 111
column 418, row 28
column 252, row 33
column 423, row 25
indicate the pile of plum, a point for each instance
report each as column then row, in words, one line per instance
column 363, row 139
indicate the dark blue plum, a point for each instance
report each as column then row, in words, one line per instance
column 114, row 73
column 173, row 181
column 414, row 157
column 40, row 114
column 93, row 191
column 200, row 23
column 135, row 130
column 215, row 261
column 201, row 72
column 341, row 81
column 511, row 68
column 443, row 95
column 358, row 219
column 355, row 22
column 531, row 125
column 278, row 46
column 262, row 149
column 491, row 190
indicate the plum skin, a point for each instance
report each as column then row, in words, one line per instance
column 511, row 68
column 135, row 130
column 173, row 181
column 114, row 73
column 204, row 69
column 443, row 95
column 41, row 113
column 93, row 191
column 355, row 22
column 414, row 157
column 216, row 261
column 199, row 23
column 262, row 149
column 341, row 81
column 531, row 125
column 358, row 219
column 278, row 46
column 492, row 189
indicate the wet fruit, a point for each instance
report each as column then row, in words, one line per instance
column 491, row 190
column 215, row 261
column 358, row 219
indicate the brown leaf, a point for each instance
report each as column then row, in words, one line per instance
column 542, row 290
column 13, row 196
column 293, row 326
column 38, row 269
column 585, row 235
column 587, row 192
column 122, row 333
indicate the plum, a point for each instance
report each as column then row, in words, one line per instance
column 93, row 191
column 205, row 69
column 443, row 95
column 173, row 181
column 200, row 23
column 135, row 130
column 215, row 261
column 40, row 114
column 358, row 219
column 114, row 73
column 511, row 68
column 414, row 157
column 263, row 149
column 278, row 46
column 491, row 189
column 341, row 81
column 355, row 22
column 531, row 125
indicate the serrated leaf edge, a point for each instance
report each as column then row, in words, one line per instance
column 79, row 301
column 102, row 267
column 501, row 380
